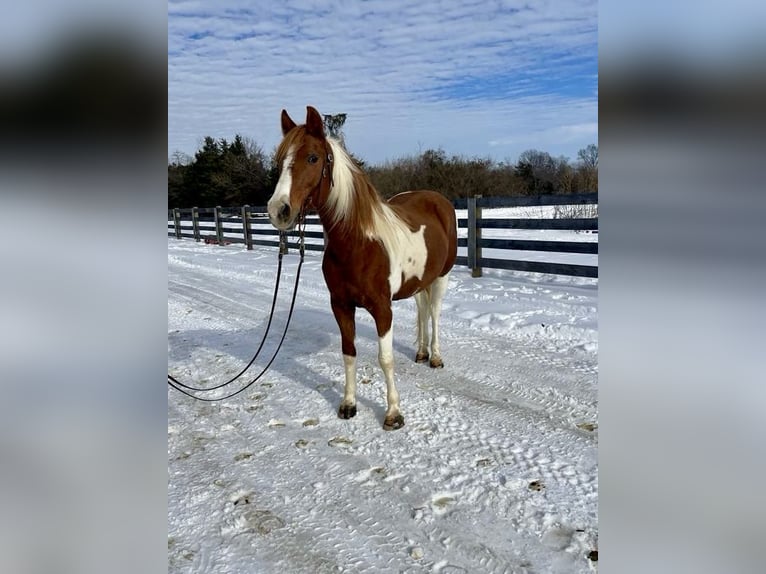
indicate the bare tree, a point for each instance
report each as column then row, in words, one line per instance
column 180, row 158
column 588, row 156
column 538, row 170
column 588, row 167
column 565, row 176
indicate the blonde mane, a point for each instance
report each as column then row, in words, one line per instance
column 349, row 182
column 354, row 203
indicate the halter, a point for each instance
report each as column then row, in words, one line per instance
column 327, row 162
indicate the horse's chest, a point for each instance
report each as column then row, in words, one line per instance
column 398, row 263
column 357, row 276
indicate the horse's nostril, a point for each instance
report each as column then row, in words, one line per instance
column 284, row 212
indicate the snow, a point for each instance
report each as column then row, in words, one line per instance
column 495, row 469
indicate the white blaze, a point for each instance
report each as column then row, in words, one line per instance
column 281, row 194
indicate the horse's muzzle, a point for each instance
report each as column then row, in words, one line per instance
column 281, row 216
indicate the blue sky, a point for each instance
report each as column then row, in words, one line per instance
column 476, row 78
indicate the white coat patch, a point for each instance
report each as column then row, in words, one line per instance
column 406, row 249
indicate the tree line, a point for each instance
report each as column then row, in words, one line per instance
column 535, row 173
column 239, row 172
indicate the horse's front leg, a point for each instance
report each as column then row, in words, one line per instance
column 344, row 315
column 384, row 324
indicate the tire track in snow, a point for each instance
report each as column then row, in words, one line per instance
column 558, row 455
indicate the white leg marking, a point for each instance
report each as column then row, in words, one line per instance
column 349, row 394
column 438, row 289
column 424, row 312
column 386, row 358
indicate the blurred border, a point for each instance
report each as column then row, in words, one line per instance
column 83, row 96
column 681, row 394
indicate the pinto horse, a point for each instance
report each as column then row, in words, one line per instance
column 375, row 251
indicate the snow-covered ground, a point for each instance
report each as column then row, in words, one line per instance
column 494, row 471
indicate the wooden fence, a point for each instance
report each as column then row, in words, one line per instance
column 250, row 225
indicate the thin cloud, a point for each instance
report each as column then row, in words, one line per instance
column 409, row 75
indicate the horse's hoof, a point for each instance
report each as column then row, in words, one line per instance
column 437, row 363
column 393, row 423
column 347, row 411
column 421, row 357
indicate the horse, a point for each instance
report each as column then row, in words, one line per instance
column 375, row 251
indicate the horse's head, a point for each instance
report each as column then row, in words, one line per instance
column 305, row 169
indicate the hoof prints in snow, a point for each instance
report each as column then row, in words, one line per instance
column 243, row 516
column 441, row 503
column 340, row 441
column 251, row 521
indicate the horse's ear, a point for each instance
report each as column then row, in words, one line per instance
column 287, row 123
column 314, row 123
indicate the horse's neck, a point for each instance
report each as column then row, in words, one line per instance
column 359, row 222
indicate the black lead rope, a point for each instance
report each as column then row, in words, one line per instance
column 183, row 388
column 260, row 346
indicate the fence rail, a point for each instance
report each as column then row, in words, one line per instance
column 250, row 226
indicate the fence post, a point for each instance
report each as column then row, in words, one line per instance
column 283, row 248
column 477, row 271
column 246, row 227
column 474, row 236
column 471, row 222
column 218, row 225
column 195, row 223
column 177, row 222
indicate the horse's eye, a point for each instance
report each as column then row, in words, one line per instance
column 312, row 158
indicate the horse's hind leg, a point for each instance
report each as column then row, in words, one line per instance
column 437, row 290
column 424, row 313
